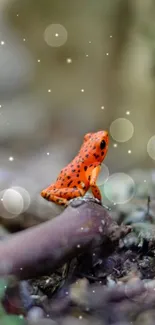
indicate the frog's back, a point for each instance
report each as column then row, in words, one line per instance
column 73, row 175
column 90, row 155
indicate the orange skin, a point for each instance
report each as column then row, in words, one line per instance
column 81, row 173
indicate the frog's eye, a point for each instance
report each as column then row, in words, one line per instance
column 102, row 144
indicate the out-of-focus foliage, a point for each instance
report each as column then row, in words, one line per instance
column 12, row 320
column 6, row 319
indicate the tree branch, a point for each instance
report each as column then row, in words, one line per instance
column 42, row 249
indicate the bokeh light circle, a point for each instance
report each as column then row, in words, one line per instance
column 13, row 201
column 151, row 147
column 121, row 130
column 25, row 195
column 55, row 35
column 119, row 188
column 103, row 175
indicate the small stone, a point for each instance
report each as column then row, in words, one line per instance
column 35, row 313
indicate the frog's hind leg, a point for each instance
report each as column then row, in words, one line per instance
column 50, row 196
column 63, row 195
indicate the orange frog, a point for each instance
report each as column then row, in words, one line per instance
column 81, row 173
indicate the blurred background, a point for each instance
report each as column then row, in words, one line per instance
column 68, row 68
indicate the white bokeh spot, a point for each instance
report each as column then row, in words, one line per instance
column 55, row 35
column 119, row 188
column 121, row 130
column 69, row 60
column 151, row 147
column 13, row 201
column 103, row 175
column 25, row 196
column 11, row 158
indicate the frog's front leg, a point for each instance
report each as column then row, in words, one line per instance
column 62, row 196
column 95, row 190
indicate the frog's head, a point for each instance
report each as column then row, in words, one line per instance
column 97, row 144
